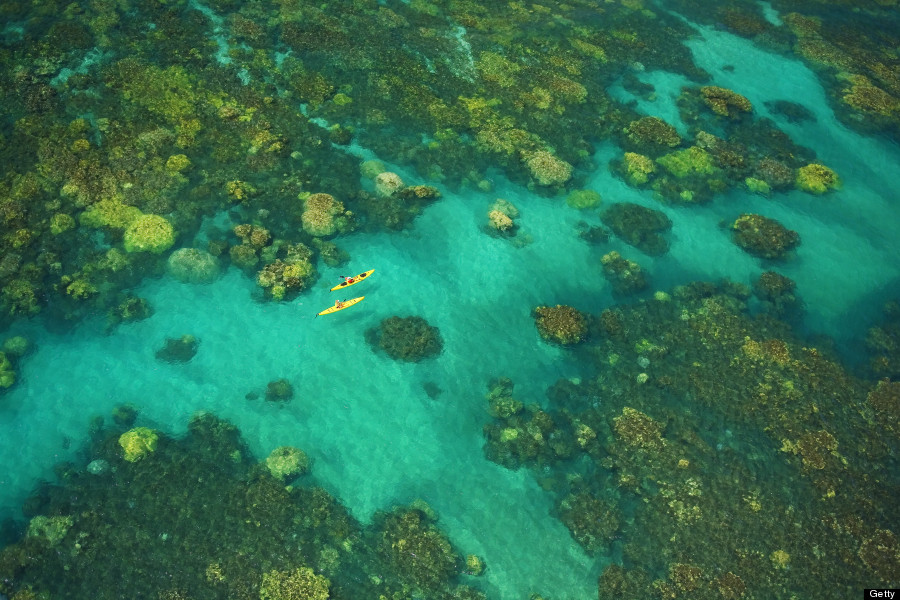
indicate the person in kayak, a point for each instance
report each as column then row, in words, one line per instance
column 348, row 280
column 339, row 304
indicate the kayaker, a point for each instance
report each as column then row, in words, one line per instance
column 348, row 280
column 339, row 304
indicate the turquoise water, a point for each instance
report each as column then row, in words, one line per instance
column 373, row 434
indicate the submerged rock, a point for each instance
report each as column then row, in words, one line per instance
column 279, row 390
column 178, row 350
column 432, row 390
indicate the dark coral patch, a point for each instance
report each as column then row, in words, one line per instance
column 410, row 339
column 178, row 350
column 279, row 390
column 639, row 226
column 626, row 276
column 763, row 237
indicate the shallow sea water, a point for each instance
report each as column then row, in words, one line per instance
column 374, row 435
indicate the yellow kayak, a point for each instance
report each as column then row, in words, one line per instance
column 352, row 280
column 343, row 305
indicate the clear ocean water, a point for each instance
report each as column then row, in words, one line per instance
column 374, row 435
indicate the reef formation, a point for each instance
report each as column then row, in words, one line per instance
column 199, row 517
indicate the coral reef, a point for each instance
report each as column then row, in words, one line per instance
column 216, row 522
column 884, row 399
column 289, row 273
column 243, row 256
column 881, row 553
column 626, row 276
column 621, row 456
column 7, row 374
column 109, row 212
column 455, row 92
column 252, row 235
column 501, row 218
column 387, row 184
column 330, row 253
column 178, row 163
column 323, row 216
column 690, row 161
column 763, row 237
column 192, row 265
column 501, row 403
column 286, row 463
column 131, row 308
column 418, row 193
column 500, row 221
column 149, row 233
column 523, row 436
column 61, row 223
column 16, row 347
column 592, row 234
column 420, row 553
column 398, row 210
column 474, row 565
column 370, row 169
column 52, row 529
column 777, row 174
column 560, row 324
column 409, row 339
column 297, row 584
column 592, row 523
column 777, row 293
column 883, row 343
column 725, row 102
column 638, row 430
column 866, row 97
column 637, row 168
column 178, row 140
column 546, row 168
column 757, row 186
column 652, row 135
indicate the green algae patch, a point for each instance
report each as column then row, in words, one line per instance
column 109, row 212
column 690, row 161
column 637, row 168
column 53, row 529
column 61, row 223
column 7, row 373
column 817, row 179
column 583, row 199
column 138, row 443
